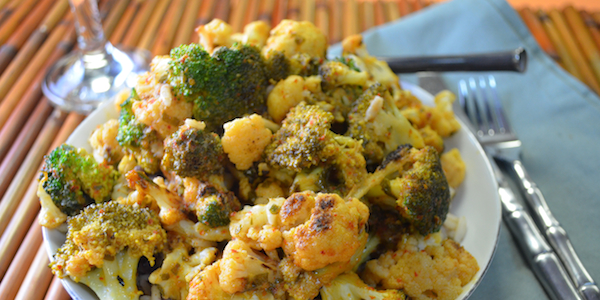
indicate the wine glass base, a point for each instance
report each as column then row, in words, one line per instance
column 80, row 82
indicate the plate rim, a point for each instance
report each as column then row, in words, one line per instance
column 417, row 90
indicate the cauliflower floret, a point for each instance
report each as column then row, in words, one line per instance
column 351, row 287
column 215, row 34
column 258, row 225
column 267, row 190
column 454, row 167
column 436, row 272
column 145, row 84
column 178, row 269
column 292, row 37
column 205, row 286
column 104, row 142
column 242, row 268
column 432, row 138
column 378, row 70
column 127, row 163
column 161, row 110
column 160, row 67
column 336, row 74
column 444, row 122
column 255, row 33
column 218, row 33
column 286, row 94
column 245, row 139
column 199, row 235
column 326, row 229
column 122, row 97
column 440, row 118
column 290, row 92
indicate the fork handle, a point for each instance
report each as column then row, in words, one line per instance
column 555, row 234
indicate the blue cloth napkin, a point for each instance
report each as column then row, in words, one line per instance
column 556, row 116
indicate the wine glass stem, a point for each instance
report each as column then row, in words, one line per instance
column 90, row 35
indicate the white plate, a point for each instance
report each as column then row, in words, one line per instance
column 476, row 199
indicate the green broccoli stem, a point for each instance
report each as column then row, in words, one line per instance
column 116, row 279
column 371, row 245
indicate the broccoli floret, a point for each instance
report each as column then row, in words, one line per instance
column 104, row 245
column 339, row 174
column 73, row 179
column 193, row 151
column 350, row 286
column 377, row 121
column 326, row 162
column 414, row 183
column 229, row 84
column 213, row 207
column 387, row 225
column 277, row 66
column 131, row 132
column 302, row 139
column 137, row 138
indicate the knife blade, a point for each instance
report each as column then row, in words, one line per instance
column 538, row 253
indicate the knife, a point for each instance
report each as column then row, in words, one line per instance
column 542, row 258
column 514, row 60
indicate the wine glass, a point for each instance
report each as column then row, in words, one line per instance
column 96, row 70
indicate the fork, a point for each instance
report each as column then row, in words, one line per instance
column 479, row 99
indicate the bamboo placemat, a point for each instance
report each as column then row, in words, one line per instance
column 35, row 33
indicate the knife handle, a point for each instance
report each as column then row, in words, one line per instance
column 543, row 260
column 538, row 253
column 556, row 235
column 515, row 60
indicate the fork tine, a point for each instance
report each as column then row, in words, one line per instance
column 476, row 107
column 498, row 112
column 489, row 122
column 466, row 98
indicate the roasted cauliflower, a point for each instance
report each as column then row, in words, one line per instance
column 292, row 37
column 321, row 229
column 245, row 139
column 435, row 272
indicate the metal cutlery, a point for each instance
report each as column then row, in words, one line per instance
column 514, row 60
column 479, row 99
column 538, row 252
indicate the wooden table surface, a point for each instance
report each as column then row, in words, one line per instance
column 35, row 33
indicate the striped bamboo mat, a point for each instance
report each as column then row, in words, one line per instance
column 35, row 33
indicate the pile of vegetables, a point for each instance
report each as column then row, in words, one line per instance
column 249, row 166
